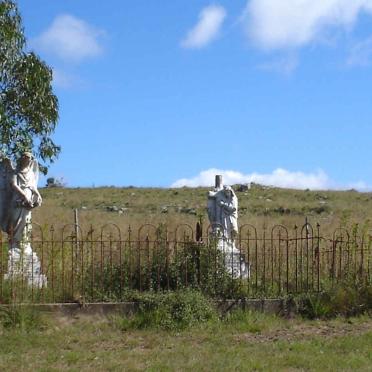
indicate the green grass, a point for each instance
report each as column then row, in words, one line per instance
column 240, row 341
column 244, row 341
column 21, row 317
column 260, row 206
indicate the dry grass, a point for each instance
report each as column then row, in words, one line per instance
column 257, row 206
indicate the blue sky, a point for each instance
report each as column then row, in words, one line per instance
column 160, row 93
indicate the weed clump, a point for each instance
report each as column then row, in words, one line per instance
column 341, row 300
column 170, row 311
column 23, row 318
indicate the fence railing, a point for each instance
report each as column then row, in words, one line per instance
column 105, row 264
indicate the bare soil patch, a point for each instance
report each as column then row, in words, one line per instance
column 301, row 332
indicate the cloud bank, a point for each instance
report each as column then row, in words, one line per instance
column 279, row 178
column 61, row 79
column 277, row 24
column 207, row 29
column 71, row 39
column 361, row 53
column 284, row 65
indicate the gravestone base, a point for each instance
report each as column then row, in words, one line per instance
column 24, row 264
column 234, row 260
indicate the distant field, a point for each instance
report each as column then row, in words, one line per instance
column 260, row 206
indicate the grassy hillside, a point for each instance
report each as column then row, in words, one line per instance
column 260, row 206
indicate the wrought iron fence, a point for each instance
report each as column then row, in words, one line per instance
column 105, row 264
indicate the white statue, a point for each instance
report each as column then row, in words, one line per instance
column 223, row 211
column 223, row 217
column 18, row 196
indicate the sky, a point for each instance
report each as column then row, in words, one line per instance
column 170, row 93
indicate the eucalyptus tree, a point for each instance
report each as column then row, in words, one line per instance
column 28, row 106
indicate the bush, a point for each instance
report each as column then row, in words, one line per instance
column 344, row 299
column 55, row 182
column 314, row 305
column 170, row 311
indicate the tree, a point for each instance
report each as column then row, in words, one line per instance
column 28, row 107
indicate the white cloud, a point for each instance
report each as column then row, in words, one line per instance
column 66, row 80
column 279, row 177
column 274, row 24
column 360, row 186
column 207, row 29
column 361, row 53
column 62, row 79
column 70, row 39
column 284, row 65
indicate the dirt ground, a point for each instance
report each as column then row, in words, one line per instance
column 300, row 332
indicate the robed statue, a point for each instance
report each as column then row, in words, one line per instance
column 18, row 196
column 223, row 211
column 223, row 217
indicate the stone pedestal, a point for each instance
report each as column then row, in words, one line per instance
column 234, row 261
column 23, row 264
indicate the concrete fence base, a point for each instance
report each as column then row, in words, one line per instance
column 270, row 306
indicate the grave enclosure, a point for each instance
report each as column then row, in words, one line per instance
column 105, row 263
column 45, row 264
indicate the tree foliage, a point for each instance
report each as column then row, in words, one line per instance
column 28, row 107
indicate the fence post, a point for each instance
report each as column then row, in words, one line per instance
column 1, row 266
column 318, row 257
column 199, row 239
column 76, row 221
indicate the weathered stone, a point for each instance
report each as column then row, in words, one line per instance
column 185, row 210
column 273, row 306
column 281, row 210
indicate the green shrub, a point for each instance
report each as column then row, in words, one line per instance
column 171, row 311
column 315, row 305
column 345, row 299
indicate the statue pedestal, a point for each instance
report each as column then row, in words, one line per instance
column 24, row 264
column 233, row 260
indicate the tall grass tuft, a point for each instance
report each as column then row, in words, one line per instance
column 345, row 299
column 23, row 318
